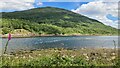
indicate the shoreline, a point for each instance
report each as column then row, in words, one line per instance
column 49, row 35
column 72, row 49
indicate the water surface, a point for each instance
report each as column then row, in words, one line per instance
column 71, row 42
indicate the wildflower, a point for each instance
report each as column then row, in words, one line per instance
column 82, row 48
column 51, row 58
column 72, row 56
column 113, row 57
column 16, row 57
column 8, row 57
column 64, row 56
column 39, row 54
column 87, row 57
column 108, row 59
column 30, row 56
column 55, row 51
column 85, row 54
column 105, row 55
column 24, row 57
column 113, row 54
column 9, row 38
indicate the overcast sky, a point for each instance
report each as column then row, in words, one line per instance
column 105, row 11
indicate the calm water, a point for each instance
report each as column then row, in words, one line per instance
column 17, row 44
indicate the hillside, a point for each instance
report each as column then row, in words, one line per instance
column 50, row 20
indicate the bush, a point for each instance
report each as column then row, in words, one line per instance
column 5, row 30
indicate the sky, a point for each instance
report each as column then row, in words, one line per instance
column 105, row 11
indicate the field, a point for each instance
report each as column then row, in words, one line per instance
column 62, row 57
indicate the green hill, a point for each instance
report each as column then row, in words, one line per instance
column 50, row 20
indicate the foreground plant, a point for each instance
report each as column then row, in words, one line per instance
column 9, row 38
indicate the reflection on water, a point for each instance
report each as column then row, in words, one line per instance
column 17, row 44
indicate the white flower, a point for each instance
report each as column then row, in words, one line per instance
column 16, row 57
column 104, row 55
column 39, row 54
column 113, row 57
column 24, row 57
column 8, row 57
column 85, row 54
column 82, row 48
column 87, row 57
column 63, row 56
column 108, row 59
column 72, row 56
column 113, row 54
column 30, row 56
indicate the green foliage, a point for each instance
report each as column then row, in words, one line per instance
column 50, row 20
column 45, row 61
column 61, row 57
column 117, row 63
column 5, row 30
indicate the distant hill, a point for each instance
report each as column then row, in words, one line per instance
column 50, row 20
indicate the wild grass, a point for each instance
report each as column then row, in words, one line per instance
column 62, row 57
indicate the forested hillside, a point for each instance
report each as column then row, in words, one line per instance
column 50, row 20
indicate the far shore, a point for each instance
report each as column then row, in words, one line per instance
column 51, row 35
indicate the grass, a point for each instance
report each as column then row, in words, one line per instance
column 62, row 57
